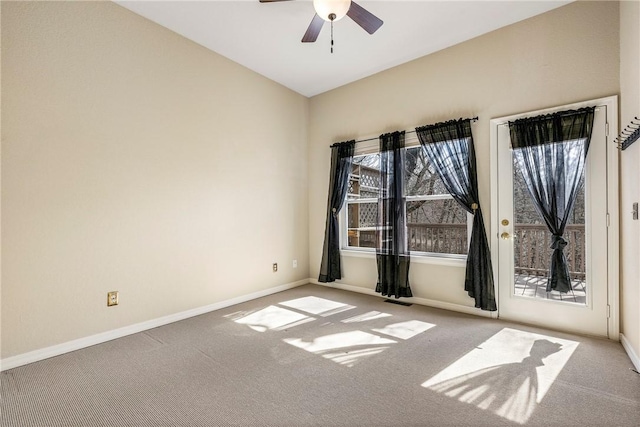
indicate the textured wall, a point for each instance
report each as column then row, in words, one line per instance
column 135, row 160
column 566, row 55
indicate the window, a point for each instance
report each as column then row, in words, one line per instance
column 437, row 225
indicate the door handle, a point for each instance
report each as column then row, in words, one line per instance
column 505, row 236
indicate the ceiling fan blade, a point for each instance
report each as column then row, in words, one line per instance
column 367, row 20
column 314, row 29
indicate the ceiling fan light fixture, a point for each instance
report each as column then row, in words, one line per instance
column 326, row 8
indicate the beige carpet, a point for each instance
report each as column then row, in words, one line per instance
column 319, row 356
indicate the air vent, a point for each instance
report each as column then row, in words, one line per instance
column 395, row 301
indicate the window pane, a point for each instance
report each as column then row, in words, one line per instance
column 421, row 178
column 361, row 220
column 364, row 178
column 435, row 226
column 438, row 226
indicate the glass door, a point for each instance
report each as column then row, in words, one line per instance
column 524, row 245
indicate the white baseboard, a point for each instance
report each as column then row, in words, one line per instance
column 56, row 350
column 414, row 300
column 630, row 351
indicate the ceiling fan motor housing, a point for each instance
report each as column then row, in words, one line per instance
column 332, row 10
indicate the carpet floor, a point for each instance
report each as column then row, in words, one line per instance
column 320, row 356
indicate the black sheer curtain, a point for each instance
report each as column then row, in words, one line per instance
column 551, row 151
column 392, row 249
column 449, row 147
column 341, row 161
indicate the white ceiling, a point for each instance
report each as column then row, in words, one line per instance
column 265, row 37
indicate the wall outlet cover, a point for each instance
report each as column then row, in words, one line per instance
column 112, row 298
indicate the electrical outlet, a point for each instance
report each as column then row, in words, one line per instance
column 275, row 267
column 112, row 298
column 295, row 263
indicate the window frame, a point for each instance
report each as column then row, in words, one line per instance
column 372, row 147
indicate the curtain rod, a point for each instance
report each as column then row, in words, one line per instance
column 473, row 119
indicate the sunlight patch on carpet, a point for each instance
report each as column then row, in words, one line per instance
column 365, row 317
column 508, row 374
column 352, row 346
column 405, row 330
column 273, row 317
column 319, row 306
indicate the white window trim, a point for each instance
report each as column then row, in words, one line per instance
column 416, row 257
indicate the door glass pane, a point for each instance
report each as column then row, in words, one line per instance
column 532, row 241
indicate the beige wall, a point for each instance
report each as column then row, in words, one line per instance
column 630, row 173
column 135, row 160
column 567, row 55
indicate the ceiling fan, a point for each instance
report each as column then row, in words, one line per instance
column 334, row 10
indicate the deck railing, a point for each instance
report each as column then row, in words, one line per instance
column 438, row 238
column 532, row 252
